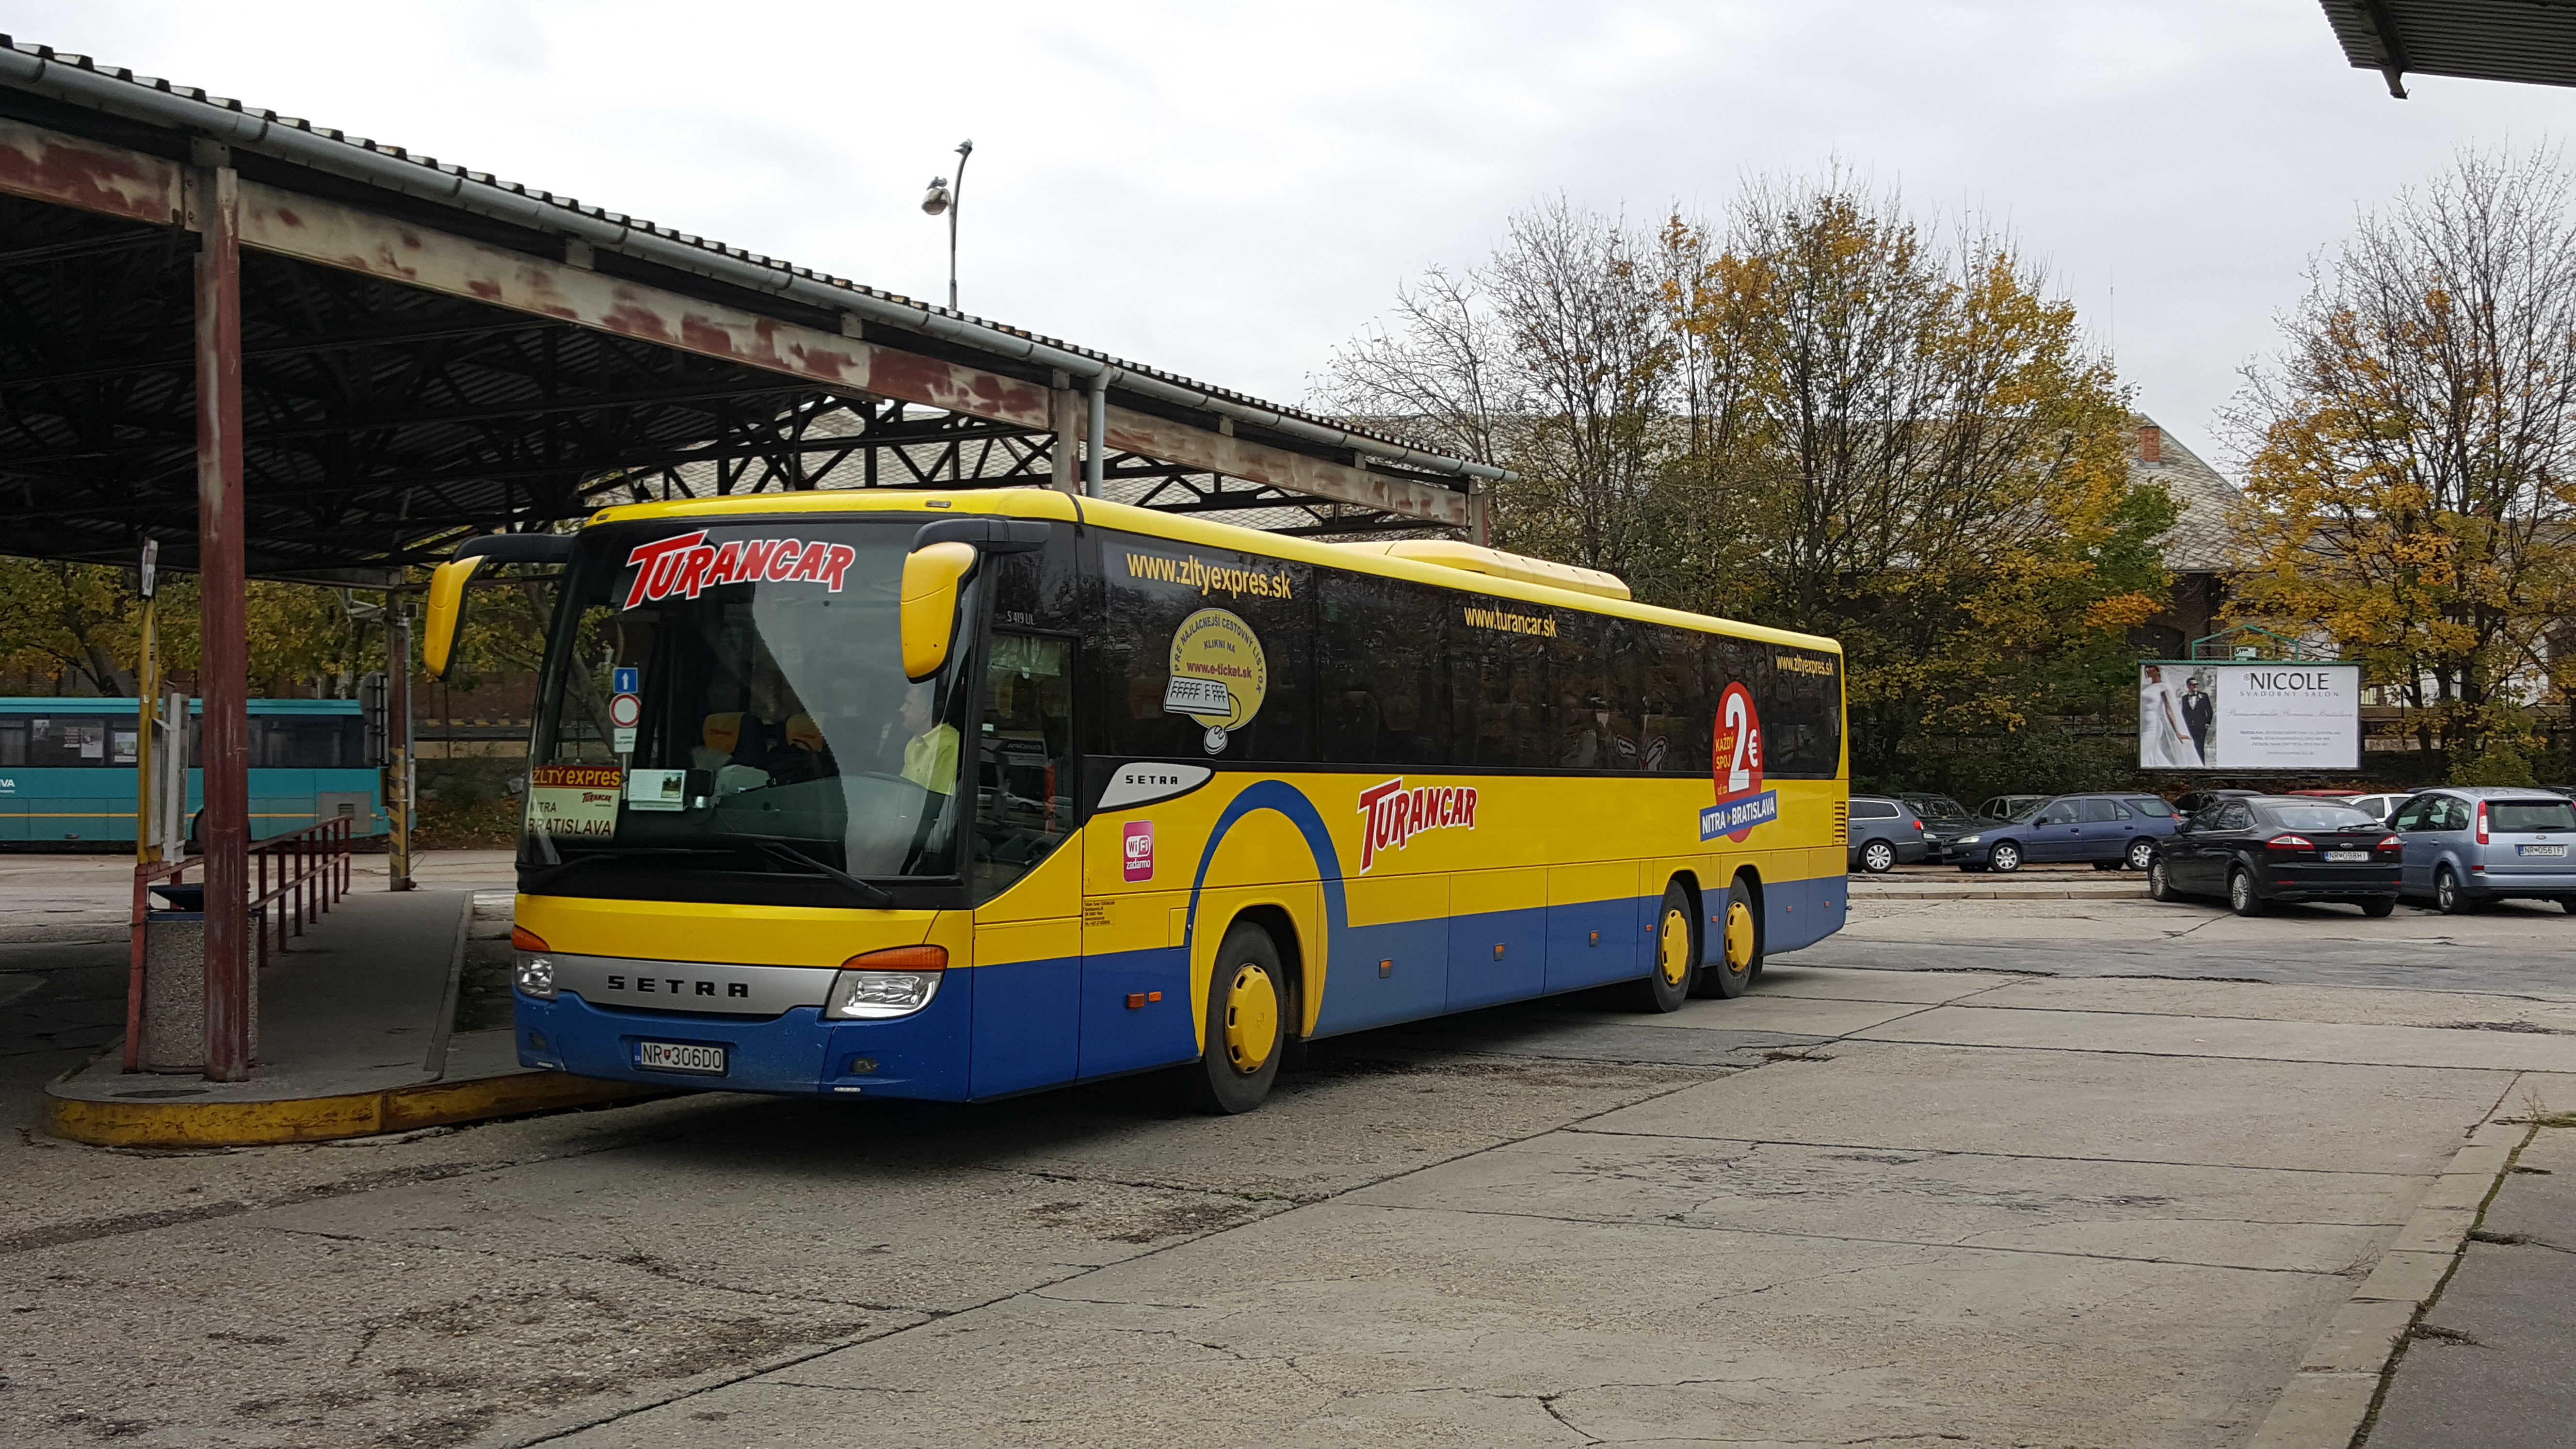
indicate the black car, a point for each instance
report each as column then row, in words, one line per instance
column 1944, row 821
column 2199, row 800
column 2258, row 849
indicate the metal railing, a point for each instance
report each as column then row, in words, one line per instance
column 297, row 877
column 312, row 870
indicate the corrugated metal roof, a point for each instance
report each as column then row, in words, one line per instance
column 2532, row 41
column 571, row 207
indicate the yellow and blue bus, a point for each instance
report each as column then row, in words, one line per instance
column 958, row 796
column 67, row 769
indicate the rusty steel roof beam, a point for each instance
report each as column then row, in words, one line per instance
column 233, row 125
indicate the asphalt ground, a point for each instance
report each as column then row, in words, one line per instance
column 1919, row 1201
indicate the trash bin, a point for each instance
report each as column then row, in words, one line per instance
column 174, row 983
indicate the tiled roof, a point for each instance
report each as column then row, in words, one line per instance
column 2205, row 538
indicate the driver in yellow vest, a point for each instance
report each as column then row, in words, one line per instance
column 930, row 755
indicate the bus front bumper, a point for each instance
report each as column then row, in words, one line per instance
column 796, row 1054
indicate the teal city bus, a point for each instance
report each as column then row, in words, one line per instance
column 67, row 769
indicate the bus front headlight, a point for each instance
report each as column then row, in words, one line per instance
column 536, row 977
column 879, row 984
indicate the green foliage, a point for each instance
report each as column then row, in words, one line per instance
column 1819, row 416
column 2500, row 763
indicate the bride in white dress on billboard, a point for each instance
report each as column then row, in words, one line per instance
column 2163, row 743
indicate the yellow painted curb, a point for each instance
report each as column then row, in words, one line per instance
column 320, row 1119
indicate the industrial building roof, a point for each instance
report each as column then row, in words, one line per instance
column 2533, row 41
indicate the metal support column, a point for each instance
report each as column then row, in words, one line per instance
column 399, row 774
column 1095, row 439
column 224, row 739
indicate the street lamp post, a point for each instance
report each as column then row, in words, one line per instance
column 944, row 197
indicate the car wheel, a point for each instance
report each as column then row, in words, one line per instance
column 2159, row 884
column 1246, row 1026
column 1676, row 957
column 1878, row 857
column 2241, row 897
column 2005, row 858
column 2378, row 906
column 2448, row 898
column 1739, row 947
column 2140, row 852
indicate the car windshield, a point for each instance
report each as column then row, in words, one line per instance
column 730, row 697
column 1938, row 807
column 2321, row 817
column 2030, row 811
column 2518, row 816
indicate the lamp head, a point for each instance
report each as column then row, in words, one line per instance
column 935, row 199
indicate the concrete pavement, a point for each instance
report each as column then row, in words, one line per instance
column 1949, row 1207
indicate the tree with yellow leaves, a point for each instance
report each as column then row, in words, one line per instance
column 2412, row 451
column 1815, row 415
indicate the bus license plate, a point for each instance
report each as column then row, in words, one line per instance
column 2559, row 850
column 2348, row 855
column 668, row 1056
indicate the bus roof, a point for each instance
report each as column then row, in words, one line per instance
column 75, row 704
column 1046, row 503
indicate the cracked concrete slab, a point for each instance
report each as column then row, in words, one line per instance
column 2166, row 1035
column 2232, row 1217
column 2083, row 1105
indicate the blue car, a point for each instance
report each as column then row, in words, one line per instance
column 2114, row 830
column 2469, row 846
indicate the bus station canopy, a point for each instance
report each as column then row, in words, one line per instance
column 427, row 352
column 2532, row 41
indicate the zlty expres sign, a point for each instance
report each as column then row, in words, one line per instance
column 682, row 567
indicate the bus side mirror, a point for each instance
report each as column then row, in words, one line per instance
column 932, row 575
column 446, row 617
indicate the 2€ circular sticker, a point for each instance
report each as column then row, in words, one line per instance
column 1219, row 677
column 1738, row 754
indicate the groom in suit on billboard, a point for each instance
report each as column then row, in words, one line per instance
column 2199, row 715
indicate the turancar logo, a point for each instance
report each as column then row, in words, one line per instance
column 1394, row 815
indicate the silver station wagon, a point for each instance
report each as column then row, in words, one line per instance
column 2470, row 846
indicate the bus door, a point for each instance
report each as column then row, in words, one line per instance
column 1025, row 880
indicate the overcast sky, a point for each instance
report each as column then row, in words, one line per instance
column 1229, row 191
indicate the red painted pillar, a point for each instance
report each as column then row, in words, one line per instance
column 224, row 748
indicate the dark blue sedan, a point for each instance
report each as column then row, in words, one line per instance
column 2114, row 830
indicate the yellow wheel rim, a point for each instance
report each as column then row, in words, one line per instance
column 1739, row 938
column 1672, row 951
column 1251, row 1019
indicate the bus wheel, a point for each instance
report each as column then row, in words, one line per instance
column 1739, row 948
column 1246, row 1027
column 1676, row 955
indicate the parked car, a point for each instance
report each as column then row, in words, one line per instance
column 2383, row 804
column 2113, row 830
column 2258, row 849
column 1885, row 833
column 2199, row 800
column 2469, row 846
column 1944, row 821
column 2005, row 807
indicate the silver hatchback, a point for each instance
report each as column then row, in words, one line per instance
column 2468, row 846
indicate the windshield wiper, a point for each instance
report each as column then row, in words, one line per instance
column 779, row 849
column 557, row 865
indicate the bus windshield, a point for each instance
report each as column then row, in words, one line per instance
column 725, row 715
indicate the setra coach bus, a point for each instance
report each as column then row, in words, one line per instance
column 958, row 796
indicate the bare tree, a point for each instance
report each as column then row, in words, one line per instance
column 2411, row 451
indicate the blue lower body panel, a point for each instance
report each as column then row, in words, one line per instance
column 1799, row 913
column 1496, row 956
column 994, row 1031
column 922, row 1055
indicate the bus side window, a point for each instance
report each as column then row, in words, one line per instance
column 1024, row 759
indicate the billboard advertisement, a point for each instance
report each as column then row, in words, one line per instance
column 2208, row 714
